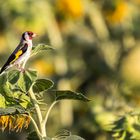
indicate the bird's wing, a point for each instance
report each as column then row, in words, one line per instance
column 14, row 56
column 20, row 45
column 17, row 54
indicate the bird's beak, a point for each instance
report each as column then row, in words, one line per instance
column 34, row 35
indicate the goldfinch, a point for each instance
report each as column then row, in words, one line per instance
column 21, row 54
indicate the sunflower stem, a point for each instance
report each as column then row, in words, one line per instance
column 41, row 128
column 35, row 125
column 48, row 112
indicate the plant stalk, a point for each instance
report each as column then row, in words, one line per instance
column 35, row 125
column 41, row 131
column 48, row 112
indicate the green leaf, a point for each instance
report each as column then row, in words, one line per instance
column 62, row 134
column 66, row 135
column 13, row 76
column 42, row 85
column 2, row 101
column 119, row 124
column 32, row 74
column 12, row 110
column 24, row 82
column 3, row 79
column 67, row 94
column 7, row 89
column 74, row 137
column 26, row 79
column 41, row 47
column 24, row 100
column 5, row 86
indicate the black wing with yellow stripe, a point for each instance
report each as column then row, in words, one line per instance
column 14, row 56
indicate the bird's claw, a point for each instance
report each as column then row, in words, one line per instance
column 22, row 70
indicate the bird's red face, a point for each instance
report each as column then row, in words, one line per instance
column 31, row 34
column 28, row 35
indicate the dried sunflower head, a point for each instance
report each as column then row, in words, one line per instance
column 14, row 122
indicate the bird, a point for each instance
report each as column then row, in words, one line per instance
column 21, row 54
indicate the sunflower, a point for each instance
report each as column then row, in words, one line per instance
column 73, row 8
column 116, row 12
column 14, row 122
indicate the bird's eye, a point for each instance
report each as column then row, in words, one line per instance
column 30, row 33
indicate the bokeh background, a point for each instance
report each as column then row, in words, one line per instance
column 97, row 52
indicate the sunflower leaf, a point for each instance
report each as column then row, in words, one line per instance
column 74, row 137
column 67, row 94
column 13, row 76
column 26, row 79
column 42, row 85
column 12, row 110
column 39, row 48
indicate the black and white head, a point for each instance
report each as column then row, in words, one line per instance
column 28, row 35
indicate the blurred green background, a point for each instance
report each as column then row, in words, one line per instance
column 97, row 52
